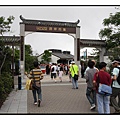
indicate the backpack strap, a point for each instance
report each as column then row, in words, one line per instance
column 73, row 69
column 98, row 80
column 118, row 77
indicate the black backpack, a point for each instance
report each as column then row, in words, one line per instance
column 118, row 78
column 52, row 69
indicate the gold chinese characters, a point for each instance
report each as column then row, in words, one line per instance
column 39, row 28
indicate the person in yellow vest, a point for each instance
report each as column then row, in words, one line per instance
column 74, row 70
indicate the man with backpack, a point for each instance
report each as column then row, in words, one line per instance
column 116, row 86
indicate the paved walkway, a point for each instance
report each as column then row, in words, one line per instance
column 58, row 98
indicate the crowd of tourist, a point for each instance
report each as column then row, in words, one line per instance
column 95, row 77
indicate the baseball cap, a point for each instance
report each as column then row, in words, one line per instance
column 72, row 62
column 116, row 61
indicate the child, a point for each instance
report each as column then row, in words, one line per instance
column 60, row 74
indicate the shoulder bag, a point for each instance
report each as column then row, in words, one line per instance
column 28, row 85
column 103, row 89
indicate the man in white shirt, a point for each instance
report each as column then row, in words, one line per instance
column 53, row 71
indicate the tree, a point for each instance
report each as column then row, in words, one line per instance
column 29, row 58
column 111, row 33
column 5, row 26
column 46, row 57
column 5, row 57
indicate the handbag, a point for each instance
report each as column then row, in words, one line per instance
column 35, row 83
column 28, row 85
column 104, row 89
column 75, row 76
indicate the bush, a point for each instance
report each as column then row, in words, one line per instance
column 5, row 86
column 2, row 90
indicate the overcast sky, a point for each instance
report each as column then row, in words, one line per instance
column 91, row 18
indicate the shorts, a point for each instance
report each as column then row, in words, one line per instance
column 53, row 75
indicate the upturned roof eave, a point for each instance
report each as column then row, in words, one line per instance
column 48, row 23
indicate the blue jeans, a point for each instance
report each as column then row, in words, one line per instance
column 91, row 95
column 39, row 94
column 74, row 83
column 103, row 104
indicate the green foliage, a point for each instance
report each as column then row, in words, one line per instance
column 29, row 58
column 5, row 25
column 46, row 57
column 28, row 49
column 5, row 60
column 5, row 86
column 112, row 20
column 2, row 90
column 6, row 80
column 111, row 33
column 5, row 53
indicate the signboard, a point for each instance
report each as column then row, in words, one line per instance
column 50, row 29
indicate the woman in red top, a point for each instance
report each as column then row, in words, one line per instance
column 105, row 78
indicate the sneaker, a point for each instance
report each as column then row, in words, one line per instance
column 35, row 103
column 76, row 87
column 92, row 107
column 117, row 112
column 39, row 101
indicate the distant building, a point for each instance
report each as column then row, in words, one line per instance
column 59, row 56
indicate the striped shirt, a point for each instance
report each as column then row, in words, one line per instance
column 37, row 74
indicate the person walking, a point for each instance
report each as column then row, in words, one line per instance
column 82, row 69
column 58, row 69
column 70, row 77
column 88, row 66
column 66, row 69
column 90, row 91
column 54, row 72
column 47, row 69
column 115, row 86
column 74, row 70
column 103, row 101
column 36, row 74
column 61, row 74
